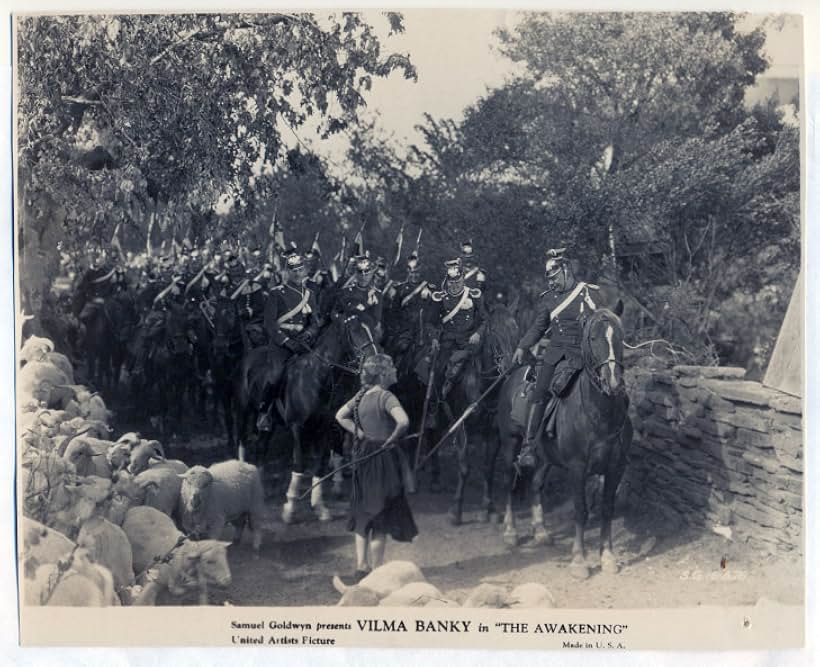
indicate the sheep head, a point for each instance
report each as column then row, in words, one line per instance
column 142, row 454
column 196, row 487
column 205, row 561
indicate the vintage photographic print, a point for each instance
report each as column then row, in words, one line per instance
column 487, row 321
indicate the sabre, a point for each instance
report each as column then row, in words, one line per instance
column 470, row 409
column 205, row 307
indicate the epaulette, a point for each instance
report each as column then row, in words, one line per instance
column 437, row 296
column 475, row 292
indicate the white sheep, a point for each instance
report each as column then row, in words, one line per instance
column 415, row 594
column 35, row 349
column 42, row 544
column 42, row 381
column 188, row 566
column 88, row 497
column 530, row 596
column 108, row 545
column 381, row 582
column 89, row 456
column 75, row 581
column 230, row 491
column 161, row 487
column 125, row 494
column 489, row 596
column 94, row 409
column 150, row 453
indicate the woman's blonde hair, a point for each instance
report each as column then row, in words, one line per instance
column 378, row 369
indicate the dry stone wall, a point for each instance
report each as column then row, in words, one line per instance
column 715, row 450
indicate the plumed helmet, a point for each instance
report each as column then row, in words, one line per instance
column 454, row 268
column 555, row 261
column 364, row 264
column 467, row 248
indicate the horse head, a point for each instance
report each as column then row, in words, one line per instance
column 602, row 347
column 361, row 339
column 502, row 337
column 224, row 319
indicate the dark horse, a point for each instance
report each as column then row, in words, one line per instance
column 225, row 350
column 593, row 435
column 491, row 359
column 169, row 361
column 310, row 396
column 97, row 339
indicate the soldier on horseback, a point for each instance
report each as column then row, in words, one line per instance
column 474, row 275
column 94, row 286
column 562, row 310
column 404, row 312
column 360, row 302
column 458, row 320
column 291, row 313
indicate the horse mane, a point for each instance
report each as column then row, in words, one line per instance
column 502, row 335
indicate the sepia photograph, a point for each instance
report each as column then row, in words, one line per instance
column 443, row 310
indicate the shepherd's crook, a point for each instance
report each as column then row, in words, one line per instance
column 470, row 409
column 350, row 464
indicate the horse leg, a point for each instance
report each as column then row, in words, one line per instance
column 490, row 454
column 297, row 476
column 455, row 512
column 579, row 567
column 510, row 535
column 539, row 531
column 317, row 502
column 336, row 461
column 609, row 563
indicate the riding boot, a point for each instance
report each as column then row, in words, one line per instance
column 317, row 503
column 292, row 496
column 526, row 458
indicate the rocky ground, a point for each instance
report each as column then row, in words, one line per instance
column 662, row 566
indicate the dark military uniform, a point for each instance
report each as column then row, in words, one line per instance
column 455, row 319
column 291, row 316
column 362, row 304
column 250, row 302
column 566, row 328
column 406, row 303
column 94, row 287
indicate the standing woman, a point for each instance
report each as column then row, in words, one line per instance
column 378, row 505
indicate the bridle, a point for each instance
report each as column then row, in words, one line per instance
column 592, row 366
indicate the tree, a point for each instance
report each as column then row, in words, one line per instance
column 122, row 116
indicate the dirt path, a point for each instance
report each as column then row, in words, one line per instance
column 658, row 568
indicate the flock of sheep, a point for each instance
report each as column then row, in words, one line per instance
column 110, row 522
column 114, row 522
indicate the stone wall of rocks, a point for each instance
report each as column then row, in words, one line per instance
column 715, row 450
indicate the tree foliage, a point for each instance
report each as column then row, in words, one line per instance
column 124, row 115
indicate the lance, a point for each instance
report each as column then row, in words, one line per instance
column 470, row 409
column 425, row 407
column 354, row 462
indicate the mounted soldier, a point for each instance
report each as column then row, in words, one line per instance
column 404, row 316
column 94, row 286
column 359, row 306
column 458, row 320
column 474, row 275
column 291, row 317
column 562, row 310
